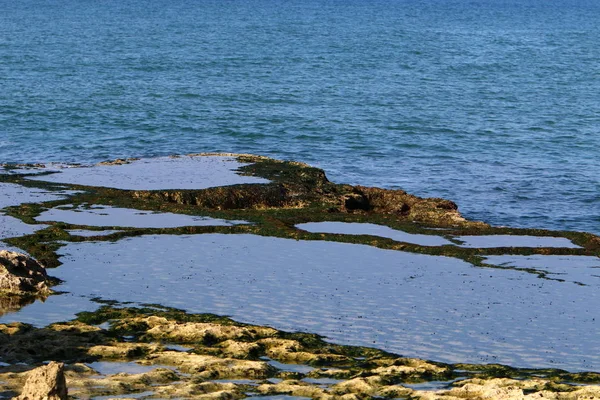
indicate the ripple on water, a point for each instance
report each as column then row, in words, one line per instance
column 366, row 91
column 112, row 368
column 353, row 228
column 161, row 173
column 417, row 305
column 126, row 217
column 579, row 269
column 515, row 241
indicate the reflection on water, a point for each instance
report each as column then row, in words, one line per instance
column 111, row 368
column 354, row 228
column 184, row 172
column 299, row 368
column 127, row 217
column 579, row 269
column 13, row 195
column 515, row 241
column 12, row 227
column 416, row 305
column 11, row 304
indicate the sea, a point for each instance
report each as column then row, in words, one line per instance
column 494, row 104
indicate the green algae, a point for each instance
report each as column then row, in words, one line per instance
column 298, row 194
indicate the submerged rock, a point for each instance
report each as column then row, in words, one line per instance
column 10, row 304
column 45, row 383
column 22, row 275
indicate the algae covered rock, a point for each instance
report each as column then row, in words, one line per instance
column 45, row 383
column 22, row 275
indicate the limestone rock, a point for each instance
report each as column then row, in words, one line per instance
column 363, row 386
column 21, row 274
column 511, row 389
column 405, row 367
column 231, row 348
column 161, row 328
column 45, row 383
column 122, row 350
column 293, row 388
column 204, row 390
column 210, row 367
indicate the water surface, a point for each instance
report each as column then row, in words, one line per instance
column 417, row 305
column 492, row 104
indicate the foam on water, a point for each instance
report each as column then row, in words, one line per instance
column 418, row 305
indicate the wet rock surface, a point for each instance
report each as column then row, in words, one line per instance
column 45, row 383
column 21, row 275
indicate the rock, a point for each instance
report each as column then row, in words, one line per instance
column 210, row 367
column 22, row 275
column 385, row 201
column 231, row 348
column 511, row 389
column 205, row 390
column 122, row 350
column 362, row 386
column 65, row 342
column 45, row 383
column 207, row 333
column 403, row 368
column 88, row 384
column 293, row 388
column 118, row 161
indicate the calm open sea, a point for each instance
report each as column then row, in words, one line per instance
column 494, row 104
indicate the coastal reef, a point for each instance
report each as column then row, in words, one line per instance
column 156, row 352
column 328, row 286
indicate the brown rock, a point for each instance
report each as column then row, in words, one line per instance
column 45, row 383
column 21, row 274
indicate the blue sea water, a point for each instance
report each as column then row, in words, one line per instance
column 494, row 104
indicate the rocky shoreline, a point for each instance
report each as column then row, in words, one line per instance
column 186, row 355
column 190, row 355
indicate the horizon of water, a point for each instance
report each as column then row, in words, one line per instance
column 491, row 104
